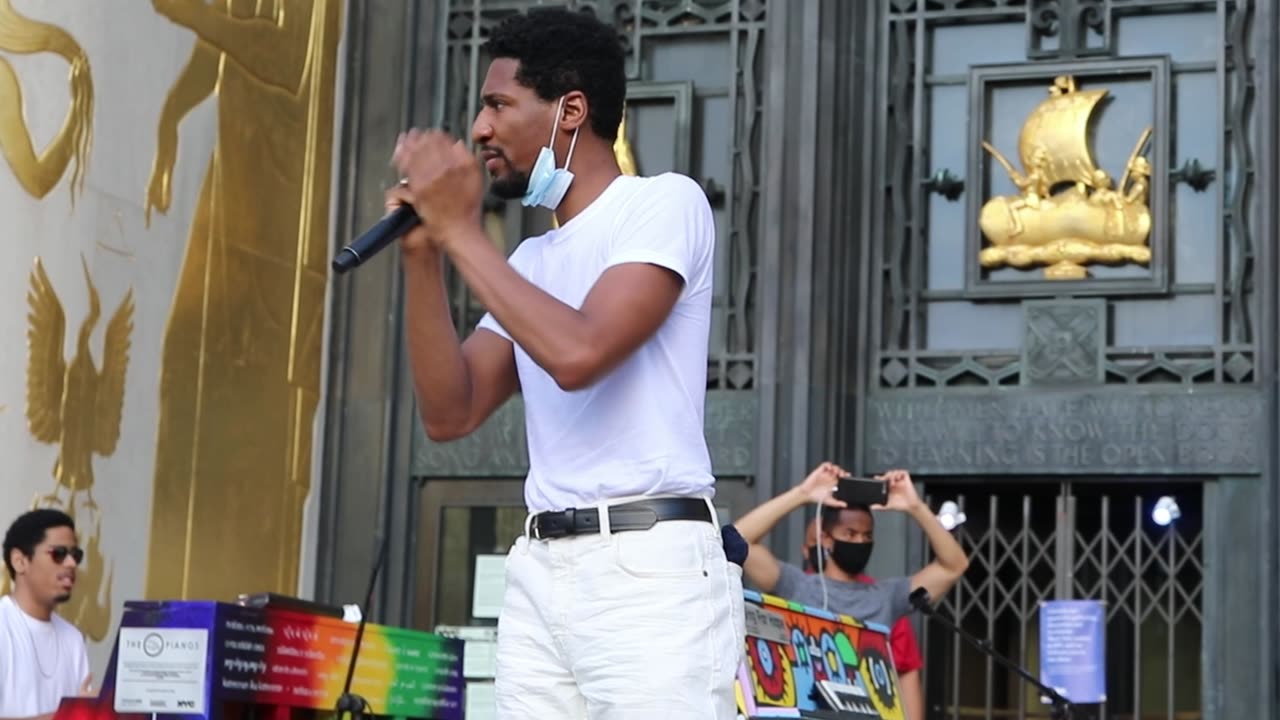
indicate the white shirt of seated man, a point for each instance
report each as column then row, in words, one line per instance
column 42, row 656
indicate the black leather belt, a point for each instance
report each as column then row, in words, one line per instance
column 638, row 515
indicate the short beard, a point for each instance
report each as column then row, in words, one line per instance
column 511, row 187
column 63, row 598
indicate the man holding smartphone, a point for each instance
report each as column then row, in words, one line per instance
column 844, row 546
column 902, row 637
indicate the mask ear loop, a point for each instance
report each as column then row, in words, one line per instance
column 572, row 143
column 822, row 556
column 551, row 141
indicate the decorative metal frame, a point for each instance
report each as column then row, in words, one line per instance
column 1152, row 577
column 680, row 96
column 984, row 80
column 898, row 354
column 1072, row 24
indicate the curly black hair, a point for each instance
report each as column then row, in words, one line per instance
column 28, row 531
column 560, row 51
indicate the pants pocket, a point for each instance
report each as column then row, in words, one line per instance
column 667, row 550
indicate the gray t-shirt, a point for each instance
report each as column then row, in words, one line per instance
column 881, row 602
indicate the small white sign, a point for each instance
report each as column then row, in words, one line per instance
column 479, row 650
column 490, row 586
column 161, row 670
column 766, row 625
column 482, row 702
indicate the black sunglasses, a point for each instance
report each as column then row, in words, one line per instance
column 60, row 553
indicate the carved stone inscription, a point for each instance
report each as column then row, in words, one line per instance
column 1030, row 432
column 499, row 447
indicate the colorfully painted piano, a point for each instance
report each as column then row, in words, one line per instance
column 793, row 649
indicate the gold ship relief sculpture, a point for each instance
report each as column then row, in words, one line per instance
column 1067, row 214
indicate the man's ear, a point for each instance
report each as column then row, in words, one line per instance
column 18, row 560
column 575, row 111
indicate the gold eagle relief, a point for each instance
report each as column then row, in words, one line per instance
column 77, row 407
column 1068, row 214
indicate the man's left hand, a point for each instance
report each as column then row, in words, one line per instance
column 821, row 485
column 445, row 180
column 902, row 492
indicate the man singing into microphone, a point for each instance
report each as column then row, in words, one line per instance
column 620, row 602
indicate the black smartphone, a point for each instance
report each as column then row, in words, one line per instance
column 862, row 491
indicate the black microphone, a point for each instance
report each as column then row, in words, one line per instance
column 383, row 233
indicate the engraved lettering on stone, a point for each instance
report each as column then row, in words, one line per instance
column 1057, row 432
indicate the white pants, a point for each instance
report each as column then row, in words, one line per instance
column 630, row 625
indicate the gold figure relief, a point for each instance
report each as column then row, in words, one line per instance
column 77, row 407
column 240, row 375
column 1067, row 214
column 622, row 148
column 39, row 173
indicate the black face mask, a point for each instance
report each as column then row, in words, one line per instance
column 849, row 557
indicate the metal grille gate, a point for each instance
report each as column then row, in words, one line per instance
column 1064, row 541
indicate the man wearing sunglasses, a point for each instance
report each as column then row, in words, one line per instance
column 42, row 656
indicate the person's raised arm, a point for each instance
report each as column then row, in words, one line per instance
column 457, row 385
column 761, row 567
column 623, row 309
column 950, row 561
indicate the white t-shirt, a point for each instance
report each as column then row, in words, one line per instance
column 40, row 662
column 638, row 430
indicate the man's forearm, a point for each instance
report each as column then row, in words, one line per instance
column 440, row 374
column 757, row 523
column 912, row 695
column 552, row 333
column 947, row 552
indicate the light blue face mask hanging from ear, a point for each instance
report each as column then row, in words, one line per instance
column 547, row 183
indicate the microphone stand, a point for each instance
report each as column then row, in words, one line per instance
column 349, row 702
column 1061, row 706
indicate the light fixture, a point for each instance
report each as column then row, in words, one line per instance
column 1165, row 511
column 950, row 515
